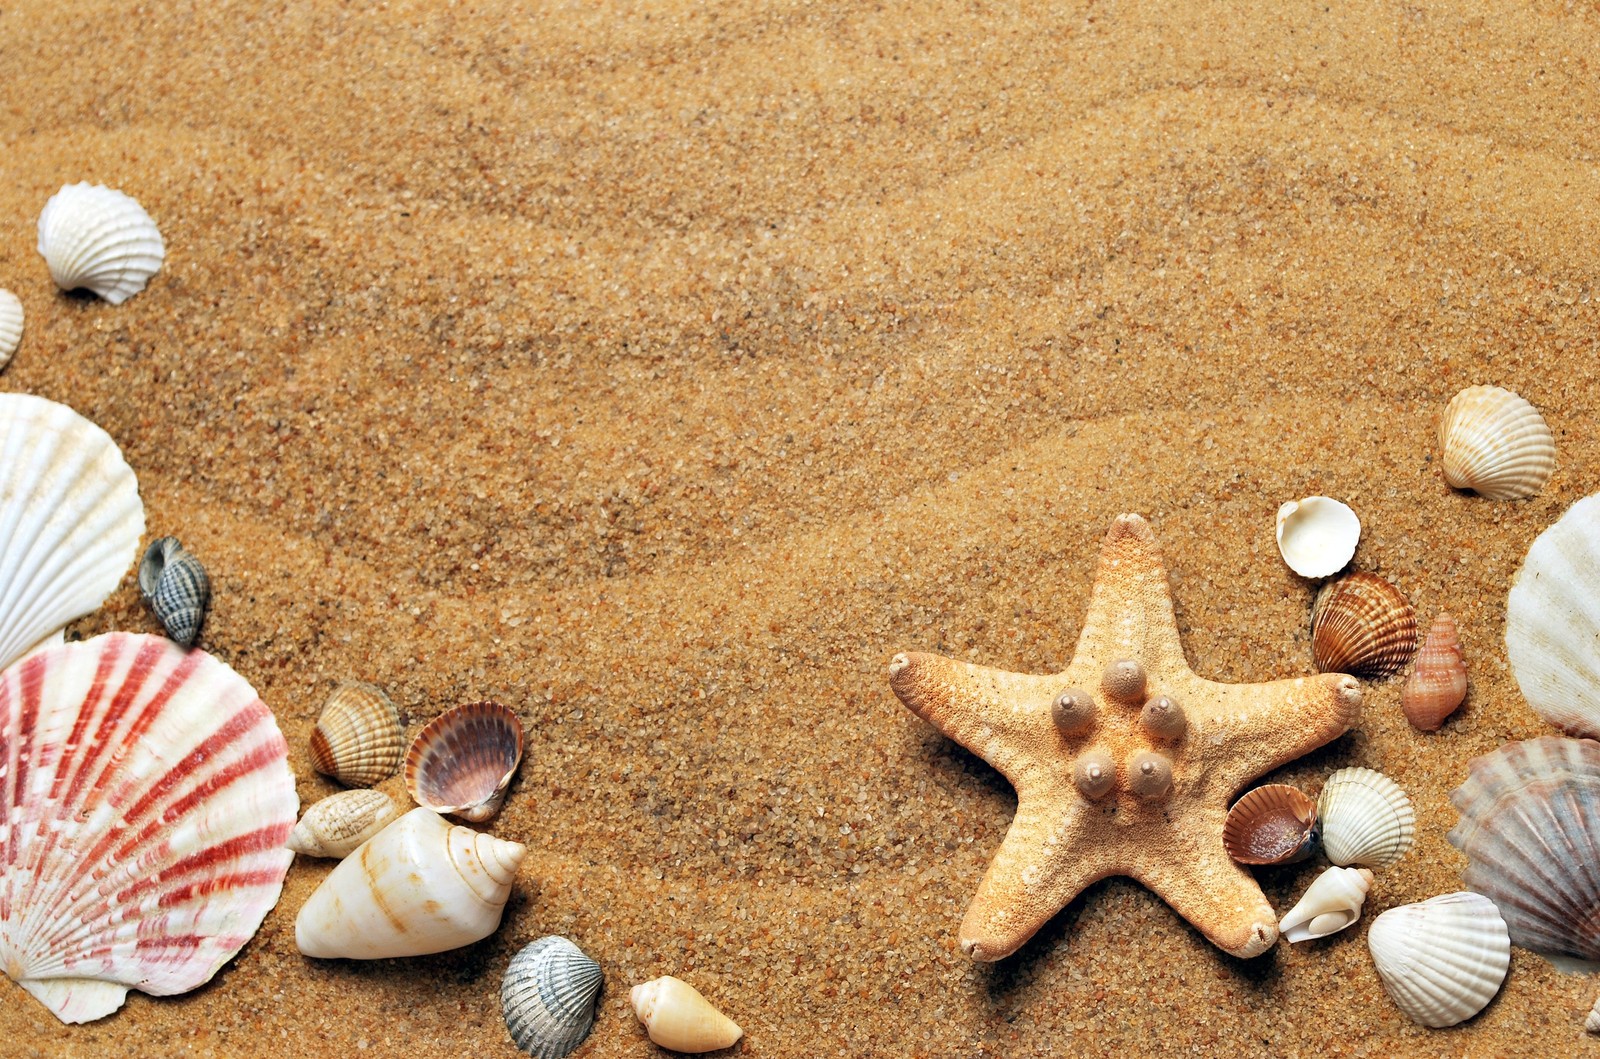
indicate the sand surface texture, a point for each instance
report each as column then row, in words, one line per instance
column 660, row 370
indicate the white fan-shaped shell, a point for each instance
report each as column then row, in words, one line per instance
column 1496, row 444
column 70, row 520
column 1366, row 818
column 1317, row 536
column 1441, row 960
column 418, row 886
column 1330, row 904
column 146, row 796
column 98, row 238
column 1553, row 621
column 10, row 326
column 548, row 996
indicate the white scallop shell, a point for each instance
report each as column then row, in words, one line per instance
column 70, row 520
column 1317, row 536
column 1366, row 818
column 419, row 886
column 1496, row 444
column 678, row 1018
column 1441, row 960
column 1553, row 621
column 146, row 796
column 337, row 825
column 548, row 996
column 1330, row 904
column 95, row 237
column 10, row 325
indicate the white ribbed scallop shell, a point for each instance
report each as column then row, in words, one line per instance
column 146, row 794
column 1496, row 444
column 1366, row 818
column 1317, row 536
column 98, row 238
column 1553, row 621
column 10, row 325
column 548, row 996
column 1441, row 960
column 70, row 520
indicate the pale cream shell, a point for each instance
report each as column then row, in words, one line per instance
column 1330, row 904
column 1496, row 444
column 10, row 325
column 96, row 238
column 1317, row 536
column 677, row 1017
column 1553, row 623
column 1441, row 960
column 1366, row 818
column 358, row 739
column 337, row 825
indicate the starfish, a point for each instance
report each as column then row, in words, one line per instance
column 1134, row 778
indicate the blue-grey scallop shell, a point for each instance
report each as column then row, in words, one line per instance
column 175, row 585
column 548, row 996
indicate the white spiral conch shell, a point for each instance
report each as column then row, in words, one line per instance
column 1496, row 444
column 1317, row 536
column 97, row 238
column 1442, row 960
column 337, row 825
column 10, row 326
column 1330, row 904
column 677, row 1017
column 419, row 886
column 1552, row 626
column 1366, row 818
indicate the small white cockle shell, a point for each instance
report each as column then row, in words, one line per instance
column 1317, row 536
column 677, row 1017
column 1441, row 960
column 95, row 237
column 10, row 325
column 338, row 824
column 1366, row 818
column 1330, row 904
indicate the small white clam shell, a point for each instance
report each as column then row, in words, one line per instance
column 1496, row 444
column 1331, row 903
column 10, row 325
column 1441, row 960
column 548, row 996
column 677, row 1017
column 1552, row 625
column 98, row 238
column 1366, row 818
column 1592, row 1023
column 1317, row 536
column 335, row 826
column 419, row 886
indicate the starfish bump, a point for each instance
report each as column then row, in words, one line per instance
column 1125, row 763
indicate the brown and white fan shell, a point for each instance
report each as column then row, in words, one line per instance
column 1364, row 626
column 1438, row 683
column 358, row 739
column 1496, row 444
column 462, row 762
column 1272, row 824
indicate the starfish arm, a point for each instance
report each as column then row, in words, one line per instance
column 1130, row 612
column 1267, row 725
column 1002, row 717
column 1219, row 898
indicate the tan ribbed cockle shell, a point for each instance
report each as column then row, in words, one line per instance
column 1438, row 684
column 358, row 739
column 1496, row 444
column 1363, row 626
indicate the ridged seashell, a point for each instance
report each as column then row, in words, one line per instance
column 335, row 826
column 1496, row 444
column 420, row 885
column 1441, row 960
column 463, row 760
column 548, row 996
column 678, row 1018
column 94, row 237
column 145, row 795
column 1330, row 904
column 1274, row 824
column 358, row 739
column 1592, row 1024
column 1552, row 627
column 175, row 585
column 70, row 520
column 1530, row 827
column 1317, row 536
column 10, row 326
column 1366, row 818
column 1438, row 684
column 1363, row 626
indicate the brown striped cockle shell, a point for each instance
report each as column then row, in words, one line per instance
column 1274, row 824
column 1438, row 684
column 358, row 739
column 1496, row 444
column 464, row 759
column 1363, row 626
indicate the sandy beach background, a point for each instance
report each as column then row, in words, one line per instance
column 660, row 370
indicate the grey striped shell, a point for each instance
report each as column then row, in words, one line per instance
column 548, row 995
column 176, row 586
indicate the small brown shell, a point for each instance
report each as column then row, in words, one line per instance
column 358, row 739
column 1362, row 625
column 1274, row 824
column 1438, row 684
column 463, row 760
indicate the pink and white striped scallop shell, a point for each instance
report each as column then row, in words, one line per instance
column 145, row 796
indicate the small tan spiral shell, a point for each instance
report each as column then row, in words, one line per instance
column 1438, row 684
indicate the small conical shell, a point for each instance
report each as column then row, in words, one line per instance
column 358, row 739
column 1317, row 536
column 1496, row 444
column 464, row 759
column 421, row 885
column 1438, row 684
column 175, row 585
column 548, row 996
column 1330, row 904
column 1366, row 818
column 10, row 326
column 678, row 1018
column 1442, row 960
column 1274, row 824
column 1362, row 625
column 96, row 238
column 335, row 826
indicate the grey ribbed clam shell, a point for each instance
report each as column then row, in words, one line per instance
column 176, row 586
column 548, row 995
